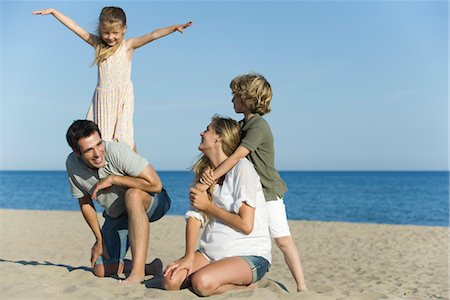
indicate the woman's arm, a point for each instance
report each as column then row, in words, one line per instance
column 69, row 23
column 137, row 42
column 187, row 261
column 242, row 221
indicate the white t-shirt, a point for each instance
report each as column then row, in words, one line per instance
column 241, row 184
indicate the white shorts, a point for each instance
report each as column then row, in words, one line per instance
column 278, row 223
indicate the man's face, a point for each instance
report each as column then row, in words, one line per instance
column 92, row 151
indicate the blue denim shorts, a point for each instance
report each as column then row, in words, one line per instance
column 259, row 266
column 115, row 230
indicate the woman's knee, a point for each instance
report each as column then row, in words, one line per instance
column 170, row 284
column 202, row 284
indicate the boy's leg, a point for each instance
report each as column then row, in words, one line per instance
column 279, row 230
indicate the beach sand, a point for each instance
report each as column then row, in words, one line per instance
column 45, row 255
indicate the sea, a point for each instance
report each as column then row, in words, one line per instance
column 409, row 198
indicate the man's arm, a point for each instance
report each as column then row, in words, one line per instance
column 90, row 215
column 148, row 180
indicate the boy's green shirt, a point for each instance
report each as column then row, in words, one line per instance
column 258, row 139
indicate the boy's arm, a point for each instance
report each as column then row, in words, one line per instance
column 69, row 23
column 225, row 166
column 137, row 42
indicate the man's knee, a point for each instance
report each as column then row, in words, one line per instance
column 99, row 270
column 134, row 196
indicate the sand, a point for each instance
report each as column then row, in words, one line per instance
column 45, row 255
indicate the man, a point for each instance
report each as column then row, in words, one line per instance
column 129, row 190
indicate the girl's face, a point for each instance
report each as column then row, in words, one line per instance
column 209, row 138
column 112, row 34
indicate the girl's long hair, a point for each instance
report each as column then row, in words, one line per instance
column 108, row 16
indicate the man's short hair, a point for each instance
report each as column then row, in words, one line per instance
column 80, row 129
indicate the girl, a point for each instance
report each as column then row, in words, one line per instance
column 113, row 101
column 235, row 247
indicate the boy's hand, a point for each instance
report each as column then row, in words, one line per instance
column 47, row 11
column 207, row 177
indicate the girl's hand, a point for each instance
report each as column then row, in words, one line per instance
column 47, row 11
column 184, row 263
column 180, row 28
column 207, row 177
column 199, row 199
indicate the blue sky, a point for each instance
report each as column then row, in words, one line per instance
column 358, row 85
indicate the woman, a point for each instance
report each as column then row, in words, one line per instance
column 235, row 248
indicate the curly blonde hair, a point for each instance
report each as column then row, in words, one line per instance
column 109, row 16
column 254, row 92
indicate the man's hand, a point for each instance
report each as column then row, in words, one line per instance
column 199, row 199
column 98, row 250
column 184, row 263
column 102, row 184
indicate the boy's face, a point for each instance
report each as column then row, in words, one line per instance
column 237, row 103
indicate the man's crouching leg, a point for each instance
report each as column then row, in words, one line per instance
column 136, row 204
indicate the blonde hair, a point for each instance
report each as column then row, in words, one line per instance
column 254, row 92
column 108, row 17
column 230, row 132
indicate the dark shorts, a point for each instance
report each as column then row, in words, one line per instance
column 115, row 230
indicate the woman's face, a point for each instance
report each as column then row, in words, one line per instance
column 209, row 138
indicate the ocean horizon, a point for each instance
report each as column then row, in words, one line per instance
column 381, row 197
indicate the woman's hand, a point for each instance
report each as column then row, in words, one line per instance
column 199, row 199
column 184, row 263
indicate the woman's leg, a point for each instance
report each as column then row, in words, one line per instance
column 181, row 279
column 221, row 276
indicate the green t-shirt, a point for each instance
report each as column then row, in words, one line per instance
column 120, row 160
column 258, row 139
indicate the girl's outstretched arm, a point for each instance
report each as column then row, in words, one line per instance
column 69, row 23
column 137, row 42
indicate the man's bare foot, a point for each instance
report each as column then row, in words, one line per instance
column 133, row 279
column 154, row 268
